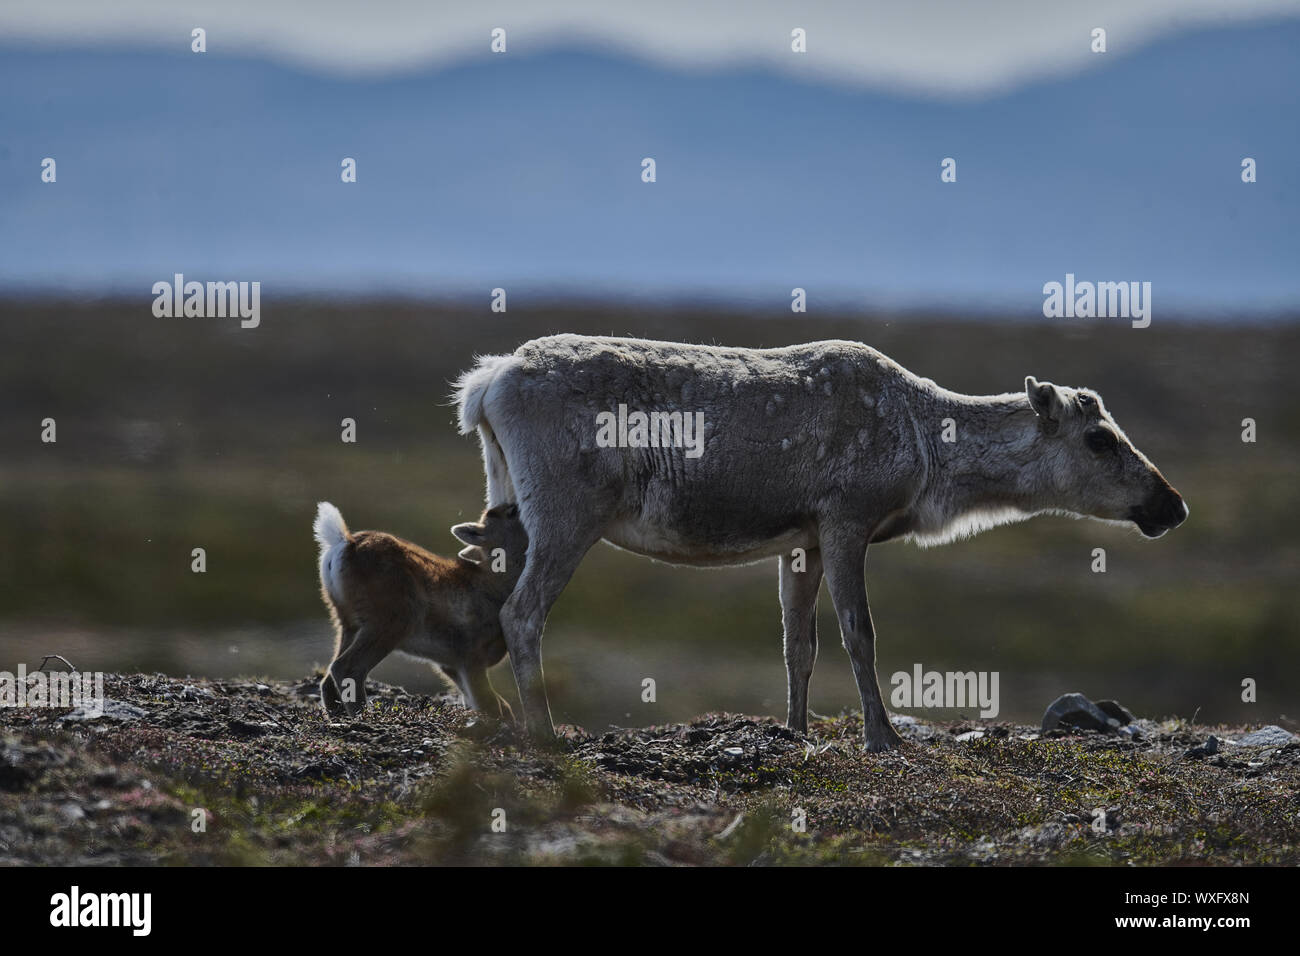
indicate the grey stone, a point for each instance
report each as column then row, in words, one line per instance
column 1113, row 708
column 113, row 710
column 1207, row 749
column 1048, row 835
column 912, row 729
column 1074, row 711
column 1270, row 736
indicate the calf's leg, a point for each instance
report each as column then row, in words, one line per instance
column 480, row 695
column 369, row 646
column 329, row 691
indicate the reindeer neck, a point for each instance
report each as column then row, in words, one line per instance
column 982, row 453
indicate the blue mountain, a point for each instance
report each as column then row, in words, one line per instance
column 525, row 172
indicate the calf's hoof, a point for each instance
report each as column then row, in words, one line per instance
column 334, row 711
column 329, row 699
column 483, row 727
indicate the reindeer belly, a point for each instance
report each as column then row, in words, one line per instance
column 684, row 546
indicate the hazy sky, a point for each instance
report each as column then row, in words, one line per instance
column 935, row 47
column 478, row 170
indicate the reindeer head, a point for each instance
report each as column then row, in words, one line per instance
column 1092, row 467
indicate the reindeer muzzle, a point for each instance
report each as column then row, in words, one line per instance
column 1163, row 512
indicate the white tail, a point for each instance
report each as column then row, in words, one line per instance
column 471, row 389
column 329, row 528
column 332, row 534
column 471, row 396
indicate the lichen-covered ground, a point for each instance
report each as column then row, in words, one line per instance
column 419, row 780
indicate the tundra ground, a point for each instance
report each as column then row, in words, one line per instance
column 419, row 780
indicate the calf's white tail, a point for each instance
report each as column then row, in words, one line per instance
column 329, row 528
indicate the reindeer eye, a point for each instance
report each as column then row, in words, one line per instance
column 1100, row 439
column 1085, row 401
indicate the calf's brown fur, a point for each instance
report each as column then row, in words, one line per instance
column 386, row 594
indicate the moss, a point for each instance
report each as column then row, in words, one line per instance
column 411, row 783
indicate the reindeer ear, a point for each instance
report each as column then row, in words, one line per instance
column 1046, row 402
column 471, row 532
column 473, row 553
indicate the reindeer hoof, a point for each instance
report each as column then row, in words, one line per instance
column 881, row 739
column 544, row 738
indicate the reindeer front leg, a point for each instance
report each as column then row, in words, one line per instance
column 844, row 553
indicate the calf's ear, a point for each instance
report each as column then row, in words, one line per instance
column 1046, row 402
column 473, row 553
column 471, row 532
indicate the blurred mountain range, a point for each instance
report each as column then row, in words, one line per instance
column 524, row 171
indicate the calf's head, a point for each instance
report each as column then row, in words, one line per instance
column 499, row 527
column 1092, row 468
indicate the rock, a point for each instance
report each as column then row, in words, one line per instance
column 21, row 764
column 1144, row 729
column 910, row 728
column 1048, row 835
column 1207, row 749
column 113, row 710
column 1074, row 711
column 1113, row 708
column 13, row 774
column 244, row 728
column 1101, row 820
column 969, row 736
column 1270, row 736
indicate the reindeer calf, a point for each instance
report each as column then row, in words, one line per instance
column 385, row 594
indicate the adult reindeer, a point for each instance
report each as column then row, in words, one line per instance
column 826, row 447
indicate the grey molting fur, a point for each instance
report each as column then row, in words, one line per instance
column 827, row 446
column 385, row 594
